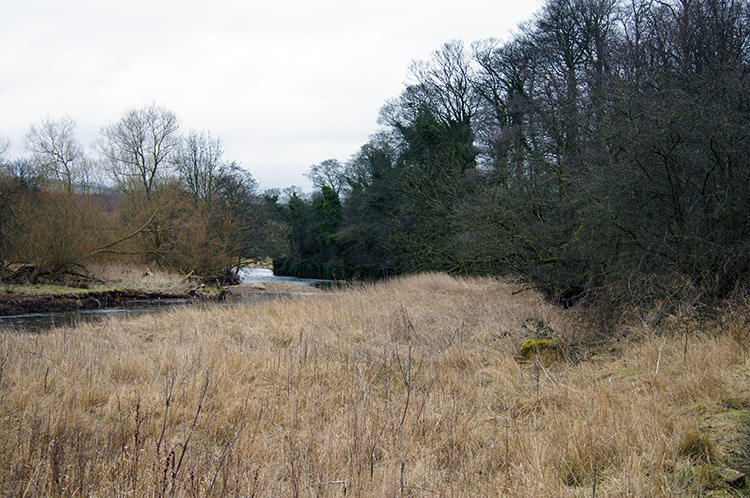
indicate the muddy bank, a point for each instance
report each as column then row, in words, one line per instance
column 18, row 303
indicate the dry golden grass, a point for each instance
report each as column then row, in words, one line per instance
column 407, row 388
column 137, row 276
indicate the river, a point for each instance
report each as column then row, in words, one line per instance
column 261, row 275
column 37, row 322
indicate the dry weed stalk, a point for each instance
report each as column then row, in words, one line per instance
column 412, row 387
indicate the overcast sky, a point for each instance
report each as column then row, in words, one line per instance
column 284, row 83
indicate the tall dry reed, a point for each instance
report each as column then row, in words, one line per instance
column 412, row 387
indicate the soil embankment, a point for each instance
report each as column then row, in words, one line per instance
column 20, row 302
column 17, row 303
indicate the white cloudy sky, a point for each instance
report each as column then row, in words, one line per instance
column 284, row 83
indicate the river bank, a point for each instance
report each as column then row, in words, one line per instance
column 143, row 290
column 17, row 303
column 98, row 287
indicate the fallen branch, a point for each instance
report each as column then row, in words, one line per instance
column 107, row 247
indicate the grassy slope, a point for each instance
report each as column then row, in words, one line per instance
column 410, row 387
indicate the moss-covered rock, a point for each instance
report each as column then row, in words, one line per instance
column 534, row 347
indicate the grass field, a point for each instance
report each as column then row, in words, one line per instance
column 413, row 387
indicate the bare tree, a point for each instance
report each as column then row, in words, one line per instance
column 330, row 173
column 504, row 123
column 23, row 173
column 4, row 145
column 140, row 145
column 442, row 88
column 57, row 153
column 198, row 161
column 5, row 202
column 445, row 83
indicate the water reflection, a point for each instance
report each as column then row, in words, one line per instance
column 35, row 322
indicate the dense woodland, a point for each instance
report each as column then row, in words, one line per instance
column 601, row 153
column 604, row 150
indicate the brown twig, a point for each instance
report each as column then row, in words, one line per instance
column 407, row 380
column 202, row 400
column 168, row 389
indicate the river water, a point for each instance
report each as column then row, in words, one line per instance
column 36, row 322
column 261, row 275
